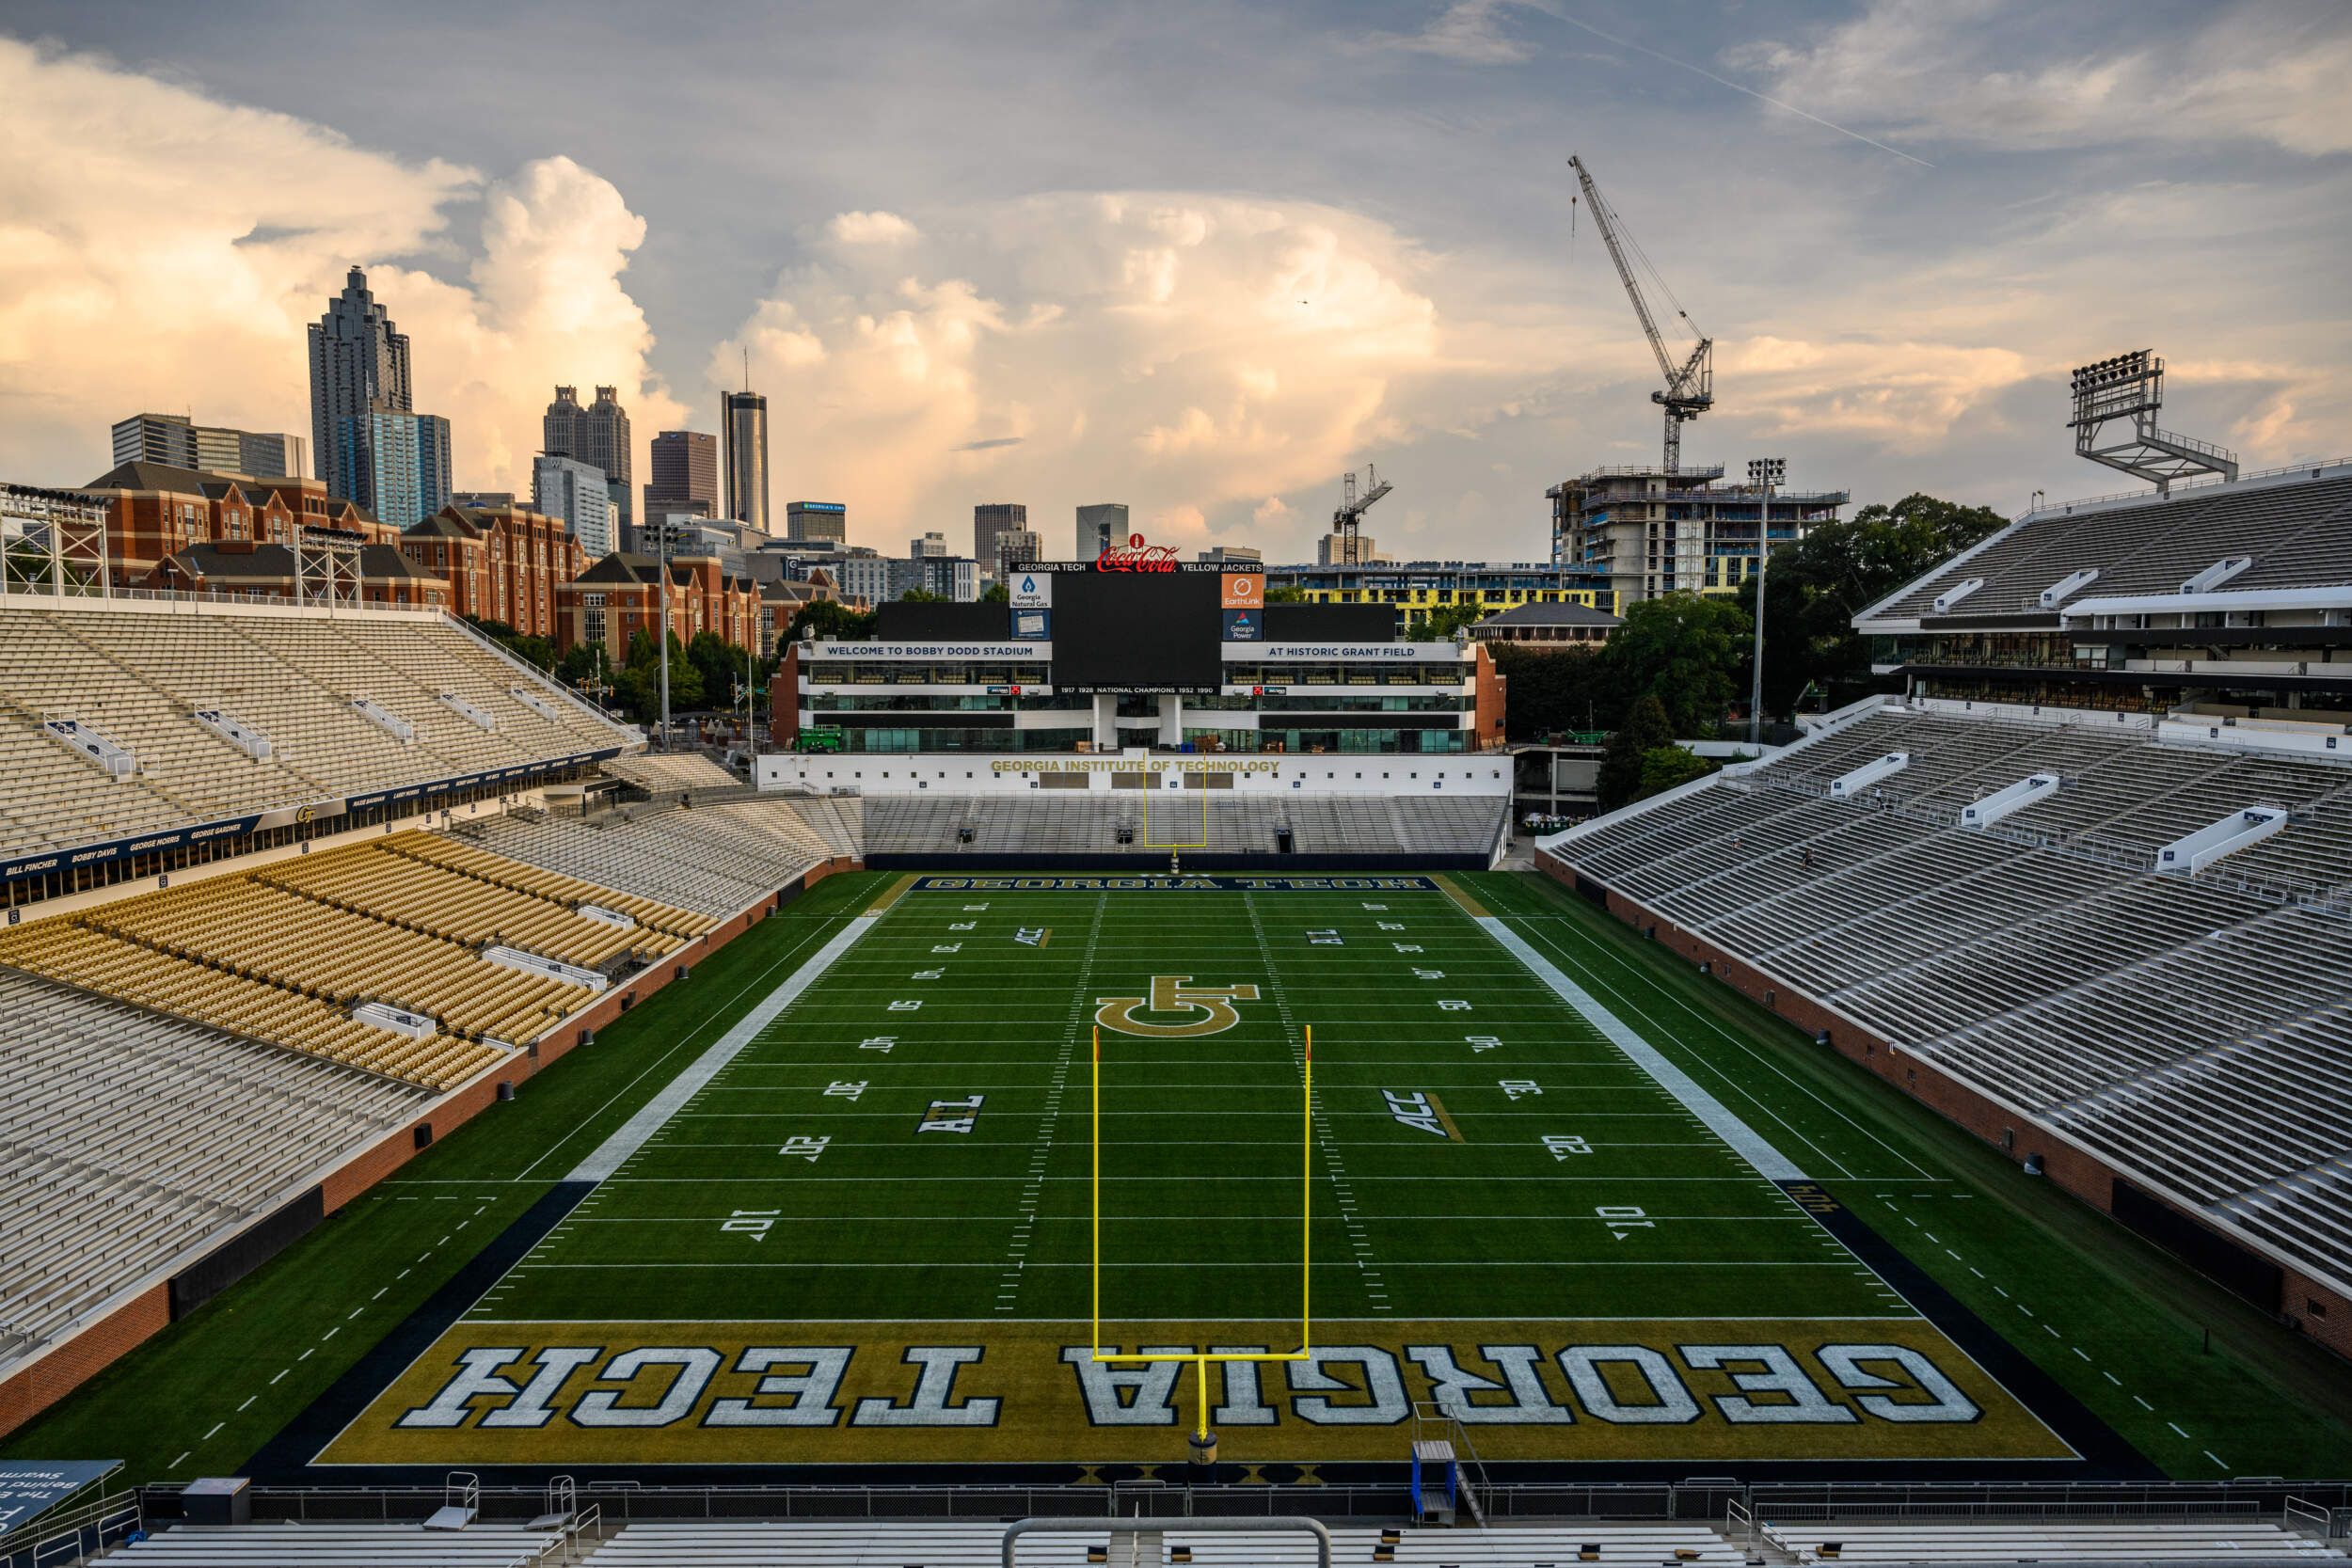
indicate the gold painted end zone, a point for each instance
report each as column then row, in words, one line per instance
column 990, row 1392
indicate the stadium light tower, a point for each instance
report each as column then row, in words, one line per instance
column 1763, row 473
column 2130, row 386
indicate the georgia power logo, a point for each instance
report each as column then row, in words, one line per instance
column 1211, row 1006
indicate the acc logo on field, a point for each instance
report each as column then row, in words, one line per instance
column 1212, row 1007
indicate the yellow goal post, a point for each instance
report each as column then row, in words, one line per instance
column 1306, row 1237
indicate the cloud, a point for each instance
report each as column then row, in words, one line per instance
column 871, row 229
column 1930, row 67
column 1187, row 352
column 162, row 250
column 1470, row 31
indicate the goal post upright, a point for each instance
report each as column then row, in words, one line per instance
column 1201, row 1359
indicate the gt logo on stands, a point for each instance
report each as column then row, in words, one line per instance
column 1211, row 1009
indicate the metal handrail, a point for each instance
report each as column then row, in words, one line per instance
column 1278, row 1522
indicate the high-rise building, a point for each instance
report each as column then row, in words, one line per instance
column 817, row 522
column 744, row 421
column 1643, row 531
column 1349, row 550
column 1231, row 555
column 568, row 488
column 927, row 546
column 399, row 463
column 1100, row 526
column 359, row 364
column 180, row 441
column 1016, row 547
column 991, row 519
column 685, row 476
column 598, row 435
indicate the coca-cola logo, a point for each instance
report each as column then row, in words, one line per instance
column 1137, row 556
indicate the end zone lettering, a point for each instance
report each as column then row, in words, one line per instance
column 1546, row 1390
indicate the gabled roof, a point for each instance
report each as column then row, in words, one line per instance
column 623, row 567
column 448, row 523
column 1562, row 613
column 152, row 476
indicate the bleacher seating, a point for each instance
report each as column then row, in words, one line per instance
column 92, row 1197
column 1090, row 822
column 340, row 1546
column 2299, row 534
column 672, row 773
column 945, row 1544
column 138, row 672
column 714, row 860
column 2195, row 1030
column 1984, row 1541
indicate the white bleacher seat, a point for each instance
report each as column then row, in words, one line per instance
column 325, row 1545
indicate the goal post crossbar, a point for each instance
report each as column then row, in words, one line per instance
column 1201, row 1359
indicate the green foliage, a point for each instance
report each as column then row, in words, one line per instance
column 830, row 618
column 638, row 688
column 1688, row 652
column 1646, row 729
column 996, row 593
column 1444, row 621
column 922, row 595
column 1669, row 766
column 1285, row 593
column 538, row 652
column 1553, row 692
column 1818, row 585
column 721, row 665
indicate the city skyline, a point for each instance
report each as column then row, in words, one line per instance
column 1211, row 323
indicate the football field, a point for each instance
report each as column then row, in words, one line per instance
column 864, row 1228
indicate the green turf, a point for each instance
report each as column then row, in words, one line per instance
column 1202, row 1141
column 1202, row 1151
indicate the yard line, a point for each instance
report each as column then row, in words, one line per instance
column 1007, row 1288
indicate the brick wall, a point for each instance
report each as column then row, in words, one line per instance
column 68, row 1366
column 2077, row 1170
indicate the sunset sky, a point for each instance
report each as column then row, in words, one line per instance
column 1195, row 256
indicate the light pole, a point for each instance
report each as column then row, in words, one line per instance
column 1763, row 473
column 662, row 573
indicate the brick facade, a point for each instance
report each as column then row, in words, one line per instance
column 2076, row 1169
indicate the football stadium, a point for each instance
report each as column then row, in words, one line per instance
column 1130, row 1096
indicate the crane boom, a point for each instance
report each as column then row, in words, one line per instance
column 1690, row 386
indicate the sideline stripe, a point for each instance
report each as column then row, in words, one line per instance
column 1769, row 1161
column 650, row 1118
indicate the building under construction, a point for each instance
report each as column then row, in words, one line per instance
column 1641, row 530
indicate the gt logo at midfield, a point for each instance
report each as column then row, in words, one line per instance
column 1211, row 1006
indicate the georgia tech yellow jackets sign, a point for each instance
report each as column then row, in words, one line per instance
column 802, row 1393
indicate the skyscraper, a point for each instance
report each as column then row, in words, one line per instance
column 359, row 364
column 1100, row 526
column 817, row 522
column 685, row 477
column 598, row 435
column 180, row 441
column 991, row 519
column 743, row 419
column 399, row 463
column 568, row 488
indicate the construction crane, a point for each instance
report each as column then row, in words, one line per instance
column 1689, row 389
column 1347, row 521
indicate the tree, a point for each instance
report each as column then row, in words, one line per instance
column 1687, row 651
column 996, row 593
column 1644, row 730
column 830, row 618
column 638, row 684
column 1553, row 691
column 1285, row 593
column 1444, row 621
column 922, row 595
column 1669, row 766
column 1816, row 586
column 718, row 662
